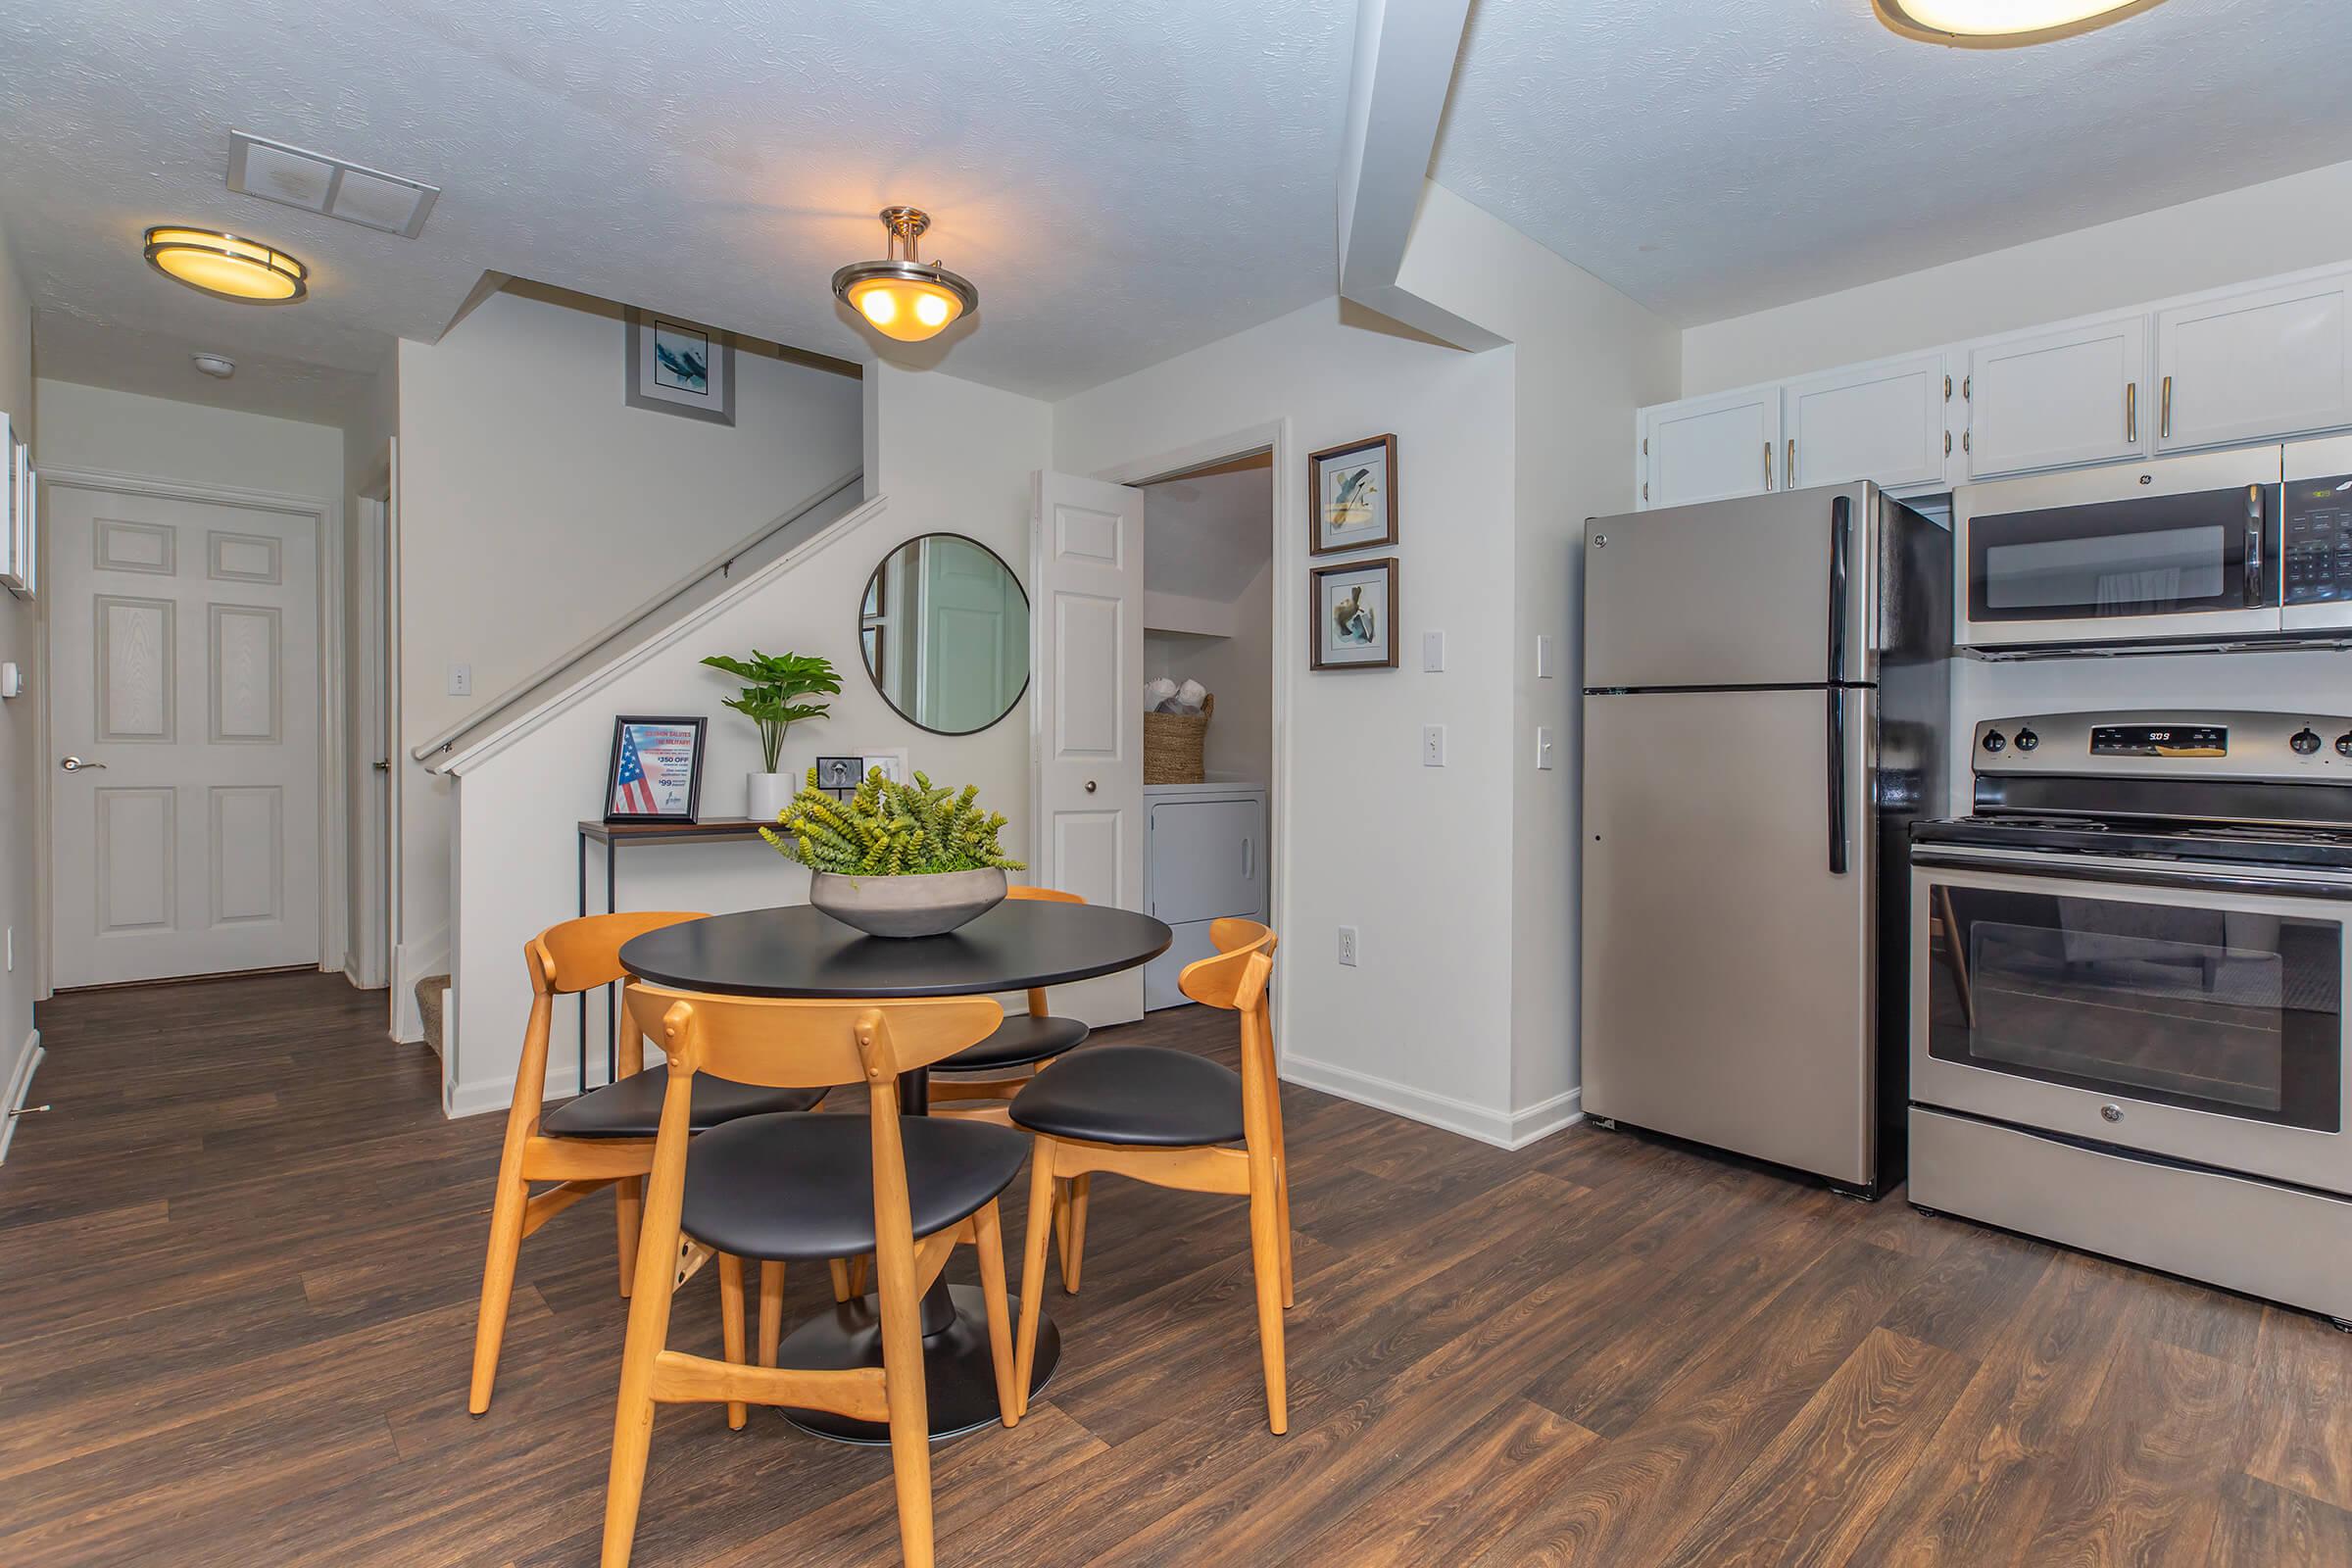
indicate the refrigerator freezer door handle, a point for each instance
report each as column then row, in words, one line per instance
column 1838, row 828
column 1841, row 542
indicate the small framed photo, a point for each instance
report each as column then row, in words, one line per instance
column 1353, row 496
column 17, row 460
column 24, row 537
column 893, row 766
column 681, row 367
column 656, row 769
column 839, row 776
column 1351, row 615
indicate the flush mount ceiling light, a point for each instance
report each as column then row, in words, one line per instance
column 225, row 266
column 904, row 296
column 219, row 367
column 2001, row 23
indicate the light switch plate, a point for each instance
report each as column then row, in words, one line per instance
column 1433, row 651
column 1544, row 745
column 460, row 681
column 1543, row 656
column 12, row 679
column 1432, row 745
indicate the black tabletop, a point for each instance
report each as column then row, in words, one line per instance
column 798, row 952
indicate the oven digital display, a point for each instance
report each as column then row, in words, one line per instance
column 2319, row 541
column 2160, row 740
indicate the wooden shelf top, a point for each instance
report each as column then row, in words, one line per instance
column 709, row 827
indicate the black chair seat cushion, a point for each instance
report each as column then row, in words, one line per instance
column 1019, row 1041
column 631, row 1107
column 1134, row 1095
column 803, row 1186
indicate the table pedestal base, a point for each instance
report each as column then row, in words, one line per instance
column 959, row 1375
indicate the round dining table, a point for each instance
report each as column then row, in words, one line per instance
column 800, row 951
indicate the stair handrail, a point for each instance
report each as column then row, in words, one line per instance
column 721, row 563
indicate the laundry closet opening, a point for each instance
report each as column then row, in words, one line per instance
column 1208, row 639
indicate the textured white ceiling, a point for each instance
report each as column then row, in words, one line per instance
column 1124, row 181
column 1715, row 157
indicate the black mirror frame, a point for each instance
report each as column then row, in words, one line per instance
column 1028, row 670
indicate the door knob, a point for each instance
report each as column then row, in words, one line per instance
column 75, row 765
column 1090, row 786
column 383, row 766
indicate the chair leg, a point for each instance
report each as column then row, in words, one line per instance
column 1073, row 1247
column 629, row 1203
column 909, row 1409
column 858, row 1273
column 1265, row 1261
column 498, row 1281
column 633, row 1417
column 771, row 1310
column 730, row 1320
column 988, row 1240
column 1033, row 1266
column 840, row 1280
column 1282, row 1222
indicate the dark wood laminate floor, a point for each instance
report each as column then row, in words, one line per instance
column 238, row 1265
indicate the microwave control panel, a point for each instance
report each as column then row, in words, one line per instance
column 2319, row 541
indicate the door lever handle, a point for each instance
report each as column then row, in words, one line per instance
column 75, row 765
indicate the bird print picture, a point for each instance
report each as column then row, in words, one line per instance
column 1356, row 499
column 1355, row 613
column 681, row 359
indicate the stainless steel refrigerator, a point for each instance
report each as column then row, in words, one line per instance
column 1766, row 701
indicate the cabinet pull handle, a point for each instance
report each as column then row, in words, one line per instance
column 1248, row 856
column 1968, row 389
column 1964, row 438
column 2131, row 411
column 1948, row 443
column 2164, row 416
column 1947, row 389
column 1645, row 489
column 1788, row 468
column 1767, row 464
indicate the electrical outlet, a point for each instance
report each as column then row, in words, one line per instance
column 1432, row 745
column 1348, row 946
column 460, row 681
column 1433, row 651
column 1542, row 748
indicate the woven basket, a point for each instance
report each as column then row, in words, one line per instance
column 1172, row 745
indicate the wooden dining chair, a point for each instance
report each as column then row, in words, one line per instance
column 1171, row 1118
column 790, row 1185
column 604, row 1138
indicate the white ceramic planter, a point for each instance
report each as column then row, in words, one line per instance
column 907, row 905
column 767, row 795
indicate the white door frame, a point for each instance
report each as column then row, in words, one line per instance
column 326, row 518
column 1288, row 559
column 369, row 961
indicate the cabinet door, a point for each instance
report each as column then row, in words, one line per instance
column 1883, row 422
column 1712, row 448
column 2254, row 364
column 2047, row 399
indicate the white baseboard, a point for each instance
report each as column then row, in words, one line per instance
column 20, row 1089
column 412, row 961
column 480, row 1099
column 1512, row 1130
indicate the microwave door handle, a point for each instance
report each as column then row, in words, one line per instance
column 1842, row 540
column 2255, row 523
column 1838, row 828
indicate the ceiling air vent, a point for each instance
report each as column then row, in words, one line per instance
column 318, row 184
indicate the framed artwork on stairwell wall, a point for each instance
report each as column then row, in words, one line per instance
column 680, row 366
column 1351, row 615
column 1351, row 500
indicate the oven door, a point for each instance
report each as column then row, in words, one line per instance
column 2181, row 549
column 2161, row 1008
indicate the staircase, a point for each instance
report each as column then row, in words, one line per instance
column 433, row 998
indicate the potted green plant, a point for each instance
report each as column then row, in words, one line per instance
column 896, row 860
column 773, row 702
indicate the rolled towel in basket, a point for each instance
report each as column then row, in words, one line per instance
column 1158, row 693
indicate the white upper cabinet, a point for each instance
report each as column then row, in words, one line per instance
column 1882, row 422
column 2047, row 399
column 2254, row 364
column 1712, row 448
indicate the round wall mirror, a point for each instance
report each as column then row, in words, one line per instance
column 945, row 631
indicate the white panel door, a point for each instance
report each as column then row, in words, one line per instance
column 2047, row 400
column 2254, row 364
column 1086, row 711
column 1711, row 448
column 184, row 693
column 1882, row 423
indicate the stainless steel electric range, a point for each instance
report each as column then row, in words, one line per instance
column 2128, row 970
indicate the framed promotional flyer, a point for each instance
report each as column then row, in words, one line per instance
column 1353, row 505
column 1351, row 615
column 656, row 770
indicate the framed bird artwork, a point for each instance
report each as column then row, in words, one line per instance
column 1351, row 615
column 1352, row 496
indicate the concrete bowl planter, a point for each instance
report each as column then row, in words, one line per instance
column 907, row 905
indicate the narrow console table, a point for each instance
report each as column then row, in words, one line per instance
column 613, row 835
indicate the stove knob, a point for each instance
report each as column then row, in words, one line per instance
column 2026, row 740
column 2305, row 741
column 2343, row 744
column 1996, row 741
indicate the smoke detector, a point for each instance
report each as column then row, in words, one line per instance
column 217, row 366
column 317, row 182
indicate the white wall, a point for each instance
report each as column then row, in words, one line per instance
column 537, row 508
column 161, row 438
column 956, row 457
column 366, row 442
column 20, row 718
column 2280, row 226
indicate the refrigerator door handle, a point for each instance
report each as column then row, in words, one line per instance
column 1841, row 543
column 1837, row 826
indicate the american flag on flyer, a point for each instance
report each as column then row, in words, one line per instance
column 630, row 791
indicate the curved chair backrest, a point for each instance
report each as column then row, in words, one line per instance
column 1044, row 895
column 787, row 1043
column 1235, row 978
column 585, row 954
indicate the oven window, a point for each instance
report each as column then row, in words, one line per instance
column 2213, row 1009
column 2160, row 556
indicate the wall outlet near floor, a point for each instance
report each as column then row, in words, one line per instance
column 1432, row 745
column 460, row 681
column 1348, row 946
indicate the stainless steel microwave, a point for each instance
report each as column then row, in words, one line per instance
column 2213, row 547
